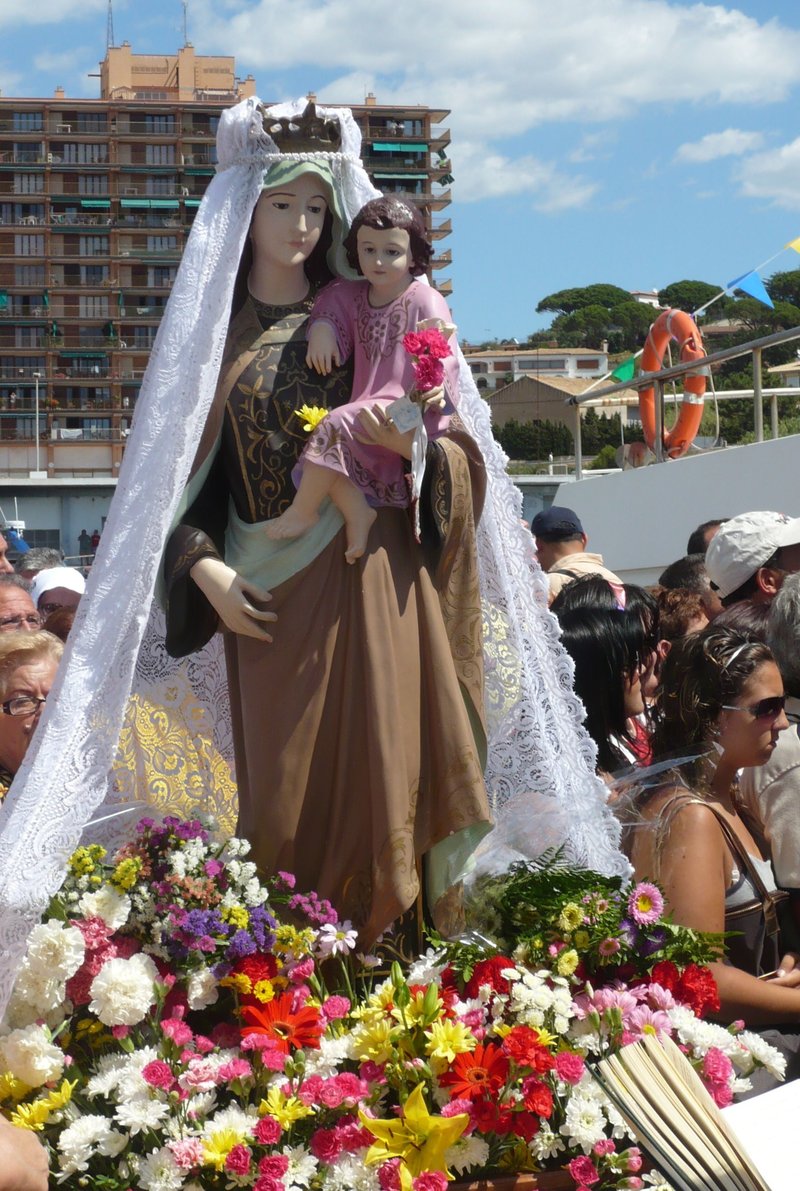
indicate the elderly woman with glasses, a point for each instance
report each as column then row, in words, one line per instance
column 721, row 708
column 28, row 664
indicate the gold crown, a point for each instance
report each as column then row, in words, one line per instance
column 307, row 133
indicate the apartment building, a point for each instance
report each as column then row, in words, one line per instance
column 96, row 200
column 496, row 367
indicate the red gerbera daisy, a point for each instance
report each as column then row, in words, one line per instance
column 288, row 1031
column 479, row 1074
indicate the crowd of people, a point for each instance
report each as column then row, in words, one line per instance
column 692, row 694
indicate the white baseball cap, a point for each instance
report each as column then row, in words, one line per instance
column 743, row 544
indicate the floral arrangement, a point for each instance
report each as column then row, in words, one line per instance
column 179, row 1025
column 427, row 347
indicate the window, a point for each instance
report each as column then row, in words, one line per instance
column 161, row 243
column 31, row 153
column 161, row 276
column 29, row 245
column 94, row 274
column 92, row 184
column 28, row 337
column 159, row 123
column 93, row 246
column 29, row 275
column 143, row 337
column 168, row 185
column 27, row 122
column 93, row 306
column 589, row 364
column 501, row 365
column 81, row 154
column 28, row 183
column 160, row 154
column 92, row 122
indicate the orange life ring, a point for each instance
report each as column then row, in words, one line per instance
column 673, row 324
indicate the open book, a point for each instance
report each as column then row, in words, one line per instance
column 664, row 1103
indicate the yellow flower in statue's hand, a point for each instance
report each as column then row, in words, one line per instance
column 285, row 1109
column 446, row 1039
column 310, row 416
column 419, row 1139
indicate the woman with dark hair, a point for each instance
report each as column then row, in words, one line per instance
column 721, row 706
column 607, row 649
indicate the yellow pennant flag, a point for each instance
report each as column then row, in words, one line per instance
column 795, row 244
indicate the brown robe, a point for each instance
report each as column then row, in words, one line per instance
column 359, row 731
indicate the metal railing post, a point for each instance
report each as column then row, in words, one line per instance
column 758, row 403
column 658, row 402
column 578, row 444
column 773, row 414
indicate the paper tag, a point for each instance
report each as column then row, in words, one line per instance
column 405, row 414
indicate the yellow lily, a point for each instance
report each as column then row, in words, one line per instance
column 417, row 1138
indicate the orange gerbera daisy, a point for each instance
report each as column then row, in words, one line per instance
column 288, row 1030
column 477, row 1075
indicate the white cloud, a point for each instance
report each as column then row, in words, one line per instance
column 733, row 142
column 14, row 14
column 774, row 175
column 507, row 68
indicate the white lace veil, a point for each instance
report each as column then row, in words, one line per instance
column 536, row 741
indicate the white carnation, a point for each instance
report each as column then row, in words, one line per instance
column 201, row 988
column 160, row 1172
column 30, row 1055
column 123, row 990
column 36, row 998
column 428, row 968
column 108, row 904
column 55, row 950
column 88, row 1135
column 468, row 1153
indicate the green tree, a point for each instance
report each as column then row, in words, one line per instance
column 784, row 287
column 689, row 295
column 605, row 457
column 566, row 301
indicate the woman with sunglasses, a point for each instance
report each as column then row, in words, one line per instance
column 721, row 708
column 28, row 664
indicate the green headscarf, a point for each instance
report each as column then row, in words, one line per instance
column 283, row 172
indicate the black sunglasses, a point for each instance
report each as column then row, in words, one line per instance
column 765, row 709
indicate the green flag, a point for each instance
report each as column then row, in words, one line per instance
column 626, row 370
column 46, row 299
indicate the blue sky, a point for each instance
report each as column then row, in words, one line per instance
column 631, row 141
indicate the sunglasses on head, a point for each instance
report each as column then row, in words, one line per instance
column 765, row 709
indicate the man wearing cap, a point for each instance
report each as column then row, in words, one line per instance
column 750, row 555
column 561, row 549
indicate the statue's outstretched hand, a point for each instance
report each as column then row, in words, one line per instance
column 377, row 429
column 237, row 601
column 323, row 351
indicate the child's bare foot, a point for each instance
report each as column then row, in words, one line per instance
column 291, row 524
column 357, row 527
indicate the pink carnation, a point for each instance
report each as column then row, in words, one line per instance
column 632, row 1159
column 428, row 373
column 583, row 1171
column 603, row 1148
column 335, row 1008
column 274, row 1165
column 389, row 1172
column 569, row 1067
column 267, row 1131
column 235, row 1069
column 301, row 971
column 187, row 1153
column 203, row 1045
column 158, row 1074
column 238, row 1160
column 430, row 1180
column 267, row 1183
column 331, row 1095
column 177, row 1031
column 325, row 1146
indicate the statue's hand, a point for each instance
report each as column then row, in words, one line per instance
column 236, row 601
column 323, row 351
column 377, row 429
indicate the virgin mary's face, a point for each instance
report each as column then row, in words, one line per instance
column 287, row 222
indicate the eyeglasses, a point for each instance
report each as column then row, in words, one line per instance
column 21, row 705
column 31, row 619
column 765, row 709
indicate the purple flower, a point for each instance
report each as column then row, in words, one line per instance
column 629, row 932
column 240, row 945
column 287, row 880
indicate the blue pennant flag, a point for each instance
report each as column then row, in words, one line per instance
column 752, row 284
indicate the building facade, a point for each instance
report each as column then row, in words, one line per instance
column 96, row 200
column 502, row 366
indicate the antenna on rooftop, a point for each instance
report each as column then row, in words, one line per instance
column 110, row 26
column 185, row 22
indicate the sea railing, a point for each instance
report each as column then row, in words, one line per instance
column 657, row 380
